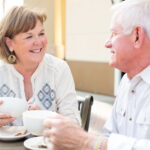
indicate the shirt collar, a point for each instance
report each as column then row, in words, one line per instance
column 145, row 74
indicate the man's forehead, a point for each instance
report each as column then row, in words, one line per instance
column 115, row 26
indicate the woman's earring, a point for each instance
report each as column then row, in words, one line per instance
column 12, row 59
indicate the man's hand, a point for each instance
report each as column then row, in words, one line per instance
column 64, row 134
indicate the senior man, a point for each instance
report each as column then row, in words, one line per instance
column 128, row 128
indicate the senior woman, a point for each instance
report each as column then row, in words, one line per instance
column 27, row 72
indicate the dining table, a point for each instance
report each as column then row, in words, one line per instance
column 19, row 144
column 13, row 145
column 18, row 138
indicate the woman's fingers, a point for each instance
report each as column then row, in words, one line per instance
column 1, row 102
column 5, row 119
column 5, row 116
column 33, row 107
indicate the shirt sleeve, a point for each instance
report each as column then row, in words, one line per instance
column 67, row 103
column 121, row 142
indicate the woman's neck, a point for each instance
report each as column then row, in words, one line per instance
column 26, row 70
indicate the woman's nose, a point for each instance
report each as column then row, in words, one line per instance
column 37, row 41
column 108, row 44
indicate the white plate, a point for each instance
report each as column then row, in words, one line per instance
column 9, row 133
column 35, row 142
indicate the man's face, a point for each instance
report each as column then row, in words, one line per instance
column 121, row 47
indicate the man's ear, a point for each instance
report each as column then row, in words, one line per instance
column 8, row 42
column 138, row 36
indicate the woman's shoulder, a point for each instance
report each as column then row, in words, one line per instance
column 3, row 68
column 2, row 65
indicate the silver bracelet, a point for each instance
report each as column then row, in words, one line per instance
column 98, row 144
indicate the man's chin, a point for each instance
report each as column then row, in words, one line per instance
column 111, row 64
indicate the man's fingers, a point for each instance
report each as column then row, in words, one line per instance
column 52, row 121
column 55, row 120
column 47, row 123
column 56, row 116
column 47, row 133
column 50, row 135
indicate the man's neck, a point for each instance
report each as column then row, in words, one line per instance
column 136, row 70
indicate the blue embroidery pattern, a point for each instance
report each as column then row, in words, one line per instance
column 46, row 96
column 9, row 124
column 6, row 91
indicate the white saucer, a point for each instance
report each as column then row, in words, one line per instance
column 9, row 133
column 34, row 143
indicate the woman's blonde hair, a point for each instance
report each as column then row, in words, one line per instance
column 17, row 20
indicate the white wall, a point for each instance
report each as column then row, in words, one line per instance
column 8, row 4
column 87, row 28
column 48, row 7
column 1, row 9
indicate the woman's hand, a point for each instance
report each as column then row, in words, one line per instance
column 33, row 106
column 5, row 118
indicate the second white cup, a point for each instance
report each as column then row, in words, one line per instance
column 33, row 120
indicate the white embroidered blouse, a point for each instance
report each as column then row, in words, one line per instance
column 52, row 84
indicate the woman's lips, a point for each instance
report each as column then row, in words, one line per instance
column 36, row 50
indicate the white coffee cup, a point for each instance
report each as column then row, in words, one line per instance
column 13, row 106
column 33, row 120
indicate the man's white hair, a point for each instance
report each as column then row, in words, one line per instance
column 131, row 13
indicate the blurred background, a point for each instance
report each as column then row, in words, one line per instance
column 77, row 31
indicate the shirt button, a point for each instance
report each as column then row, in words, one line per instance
column 130, row 119
column 132, row 91
column 124, row 114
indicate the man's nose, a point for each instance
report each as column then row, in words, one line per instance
column 108, row 44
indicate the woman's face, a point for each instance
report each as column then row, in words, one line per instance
column 30, row 46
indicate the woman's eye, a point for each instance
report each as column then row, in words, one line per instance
column 42, row 34
column 28, row 37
